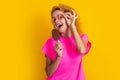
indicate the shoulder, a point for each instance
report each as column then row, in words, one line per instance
column 49, row 40
column 84, row 36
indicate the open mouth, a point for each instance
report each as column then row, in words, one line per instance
column 59, row 25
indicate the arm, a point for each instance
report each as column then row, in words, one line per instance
column 81, row 45
column 70, row 19
column 51, row 67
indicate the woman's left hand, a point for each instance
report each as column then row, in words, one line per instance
column 70, row 18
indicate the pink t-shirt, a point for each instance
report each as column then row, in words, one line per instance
column 70, row 67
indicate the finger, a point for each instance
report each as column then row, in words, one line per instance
column 76, row 17
column 58, row 43
column 68, row 17
column 59, row 54
column 68, row 14
column 74, row 13
column 59, row 47
column 65, row 17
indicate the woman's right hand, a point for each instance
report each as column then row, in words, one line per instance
column 59, row 49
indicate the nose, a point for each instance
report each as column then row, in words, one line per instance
column 56, row 20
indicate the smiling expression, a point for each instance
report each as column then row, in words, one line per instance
column 58, row 21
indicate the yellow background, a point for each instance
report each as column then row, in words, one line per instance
column 25, row 26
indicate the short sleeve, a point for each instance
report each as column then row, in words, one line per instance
column 46, row 49
column 85, row 38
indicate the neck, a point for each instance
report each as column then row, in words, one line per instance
column 67, row 33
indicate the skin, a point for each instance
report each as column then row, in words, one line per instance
column 68, row 28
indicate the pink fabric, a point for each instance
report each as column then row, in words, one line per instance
column 70, row 67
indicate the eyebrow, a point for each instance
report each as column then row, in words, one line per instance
column 57, row 15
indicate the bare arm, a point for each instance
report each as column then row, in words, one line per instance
column 70, row 19
column 81, row 45
column 51, row 67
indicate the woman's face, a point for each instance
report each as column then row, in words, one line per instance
column 59, row 21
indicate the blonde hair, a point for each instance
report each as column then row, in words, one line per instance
column 62, row 7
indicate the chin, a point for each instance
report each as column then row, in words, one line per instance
column 62, row 31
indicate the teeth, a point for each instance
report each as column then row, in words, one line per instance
column 59, row 25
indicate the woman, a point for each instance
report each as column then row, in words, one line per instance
column 64, row 57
